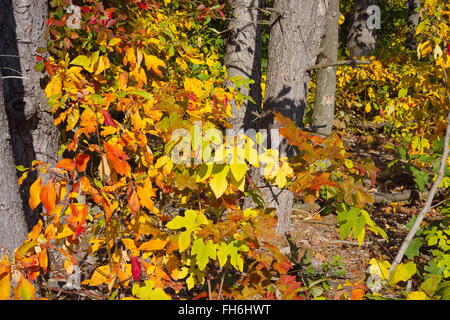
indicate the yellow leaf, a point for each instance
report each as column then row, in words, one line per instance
column 114, row 41
column 24, row 290
column 72, row 119
column 417, row 295
column 379, row 268
column 53, row 89
column 130, row 245
column 100, row 276
column 5, row 279
column 219, row 183
column 403, row 272
column 153, row 63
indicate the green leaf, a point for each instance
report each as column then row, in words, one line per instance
column 403, row 92
column 147, row 291
column 143, row 94
column 222, row 254
column 203, row 252
column 413, row 248
column 431, row 284
column 191, row 222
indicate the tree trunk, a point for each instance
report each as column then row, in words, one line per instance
column 243, row 58
column 13, row 228
column 297, row 28
column 33, row 135
column 361, row 40
column 413, row 22
column 326, row 78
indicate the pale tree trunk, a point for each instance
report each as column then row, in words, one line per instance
column 361, row 40
column 413, row 22
column 33, row 135
column 13, row 228
column 295, row 36
column 243, row 58
column 323, row 114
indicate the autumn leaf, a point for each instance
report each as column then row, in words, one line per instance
column 152, row 245
column 67, row 164
column 133, row 201
column 81, row 161
column 135, row 268
column 35, row 193
column 191, row 222
column 118, row 159
column 153, row 63
column 48, row 197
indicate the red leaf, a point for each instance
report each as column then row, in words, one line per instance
column 135, row 268
column 108, row 119
column 81, row 161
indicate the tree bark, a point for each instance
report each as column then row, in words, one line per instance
column 13, row 228
column 295, row 36
column 413, row 22
column 323, row 114
column 243, row 58
column 361, row 40
column 33, row 135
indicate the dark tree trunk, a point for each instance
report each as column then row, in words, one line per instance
column 243, row 58
column 295, row 37
column 13, row 228
column 33, row 135
column 326, row 78
column 361, row 40
column 413, row 22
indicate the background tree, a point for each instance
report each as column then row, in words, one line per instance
column 243, row 58
column 33, row 135
column 326, row 77
column 296, row 31
column 13, row 229
column 413, row 22
column 361, row 40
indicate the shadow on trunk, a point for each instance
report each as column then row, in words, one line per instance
column 21, row 120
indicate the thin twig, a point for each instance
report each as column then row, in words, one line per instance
column 337, row 63
column 15, row 77
column 221, row 286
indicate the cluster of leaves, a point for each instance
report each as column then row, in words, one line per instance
column 122, row 87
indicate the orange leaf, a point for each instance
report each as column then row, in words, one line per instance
column 48, row 197
column 133, row 202
column 78, row 215
column 118, row 159
column 35, row 191
column 154, row 244
column 123, row 80
column 81, row 161
column 66, row 164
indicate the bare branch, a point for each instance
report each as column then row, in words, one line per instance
column 338, row 63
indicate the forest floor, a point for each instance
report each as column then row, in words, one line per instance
column 344, row 263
